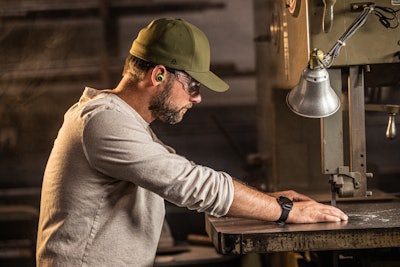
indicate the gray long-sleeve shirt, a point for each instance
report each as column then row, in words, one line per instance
column 104, row 187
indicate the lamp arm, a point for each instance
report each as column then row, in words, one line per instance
column 357, row 23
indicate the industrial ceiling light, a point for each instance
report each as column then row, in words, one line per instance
column 313, row 96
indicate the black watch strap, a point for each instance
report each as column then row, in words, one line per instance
column 286, row 205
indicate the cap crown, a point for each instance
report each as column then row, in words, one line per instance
column 173, row 43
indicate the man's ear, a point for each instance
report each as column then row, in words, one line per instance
column 158, row 74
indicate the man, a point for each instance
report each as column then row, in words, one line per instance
column 108, row 174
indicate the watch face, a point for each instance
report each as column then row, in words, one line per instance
column 285, row 201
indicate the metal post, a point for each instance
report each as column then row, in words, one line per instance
column 357, row 128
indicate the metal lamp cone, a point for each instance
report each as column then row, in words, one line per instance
column 313, row 96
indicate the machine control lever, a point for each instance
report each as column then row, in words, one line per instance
column 391, row 128
column 392, row 110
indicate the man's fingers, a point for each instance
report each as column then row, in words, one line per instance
column 334, row 214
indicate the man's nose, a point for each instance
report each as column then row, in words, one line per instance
column 196, row 98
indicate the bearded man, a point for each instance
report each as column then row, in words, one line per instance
column 107, row 176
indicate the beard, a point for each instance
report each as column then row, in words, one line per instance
column 162, row 108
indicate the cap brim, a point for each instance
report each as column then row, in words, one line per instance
column 209, row 80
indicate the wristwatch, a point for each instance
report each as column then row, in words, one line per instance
column 286, row 205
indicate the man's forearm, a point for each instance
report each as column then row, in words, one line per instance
column 253, row 204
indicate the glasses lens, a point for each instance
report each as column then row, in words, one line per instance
column 194, row 88
column 191, row 86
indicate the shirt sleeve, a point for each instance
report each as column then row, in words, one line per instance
column 119, row 146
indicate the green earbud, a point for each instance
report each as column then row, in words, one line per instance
column 160, row 77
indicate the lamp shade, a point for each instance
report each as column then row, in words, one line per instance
column 313, row 96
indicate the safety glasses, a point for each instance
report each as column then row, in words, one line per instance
column 190, row 85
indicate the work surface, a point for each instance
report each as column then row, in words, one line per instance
column 370, row 225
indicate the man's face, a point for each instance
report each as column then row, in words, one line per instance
column 168, row 105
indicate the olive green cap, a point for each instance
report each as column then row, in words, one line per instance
column 178, row 45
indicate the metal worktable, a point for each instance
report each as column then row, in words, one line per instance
column 370, row 225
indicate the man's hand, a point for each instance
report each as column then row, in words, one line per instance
column 306, row 210
column 312, row 212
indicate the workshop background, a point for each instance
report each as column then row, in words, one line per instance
column 51, row 50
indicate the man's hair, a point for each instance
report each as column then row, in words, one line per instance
column 136, row 67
